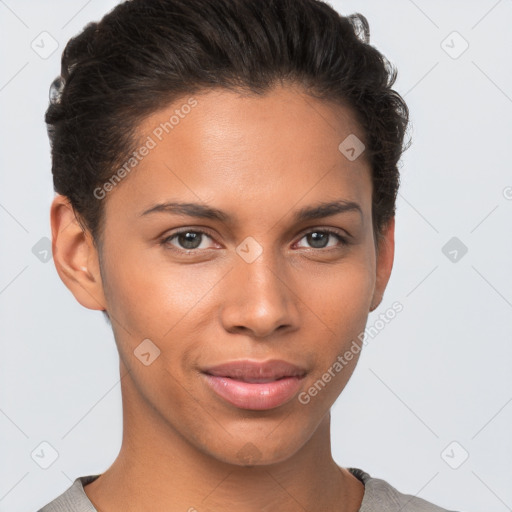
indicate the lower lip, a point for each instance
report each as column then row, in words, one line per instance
column 253, row 395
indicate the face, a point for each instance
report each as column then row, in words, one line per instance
column 242, row 275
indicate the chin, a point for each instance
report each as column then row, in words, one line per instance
column 257, row 452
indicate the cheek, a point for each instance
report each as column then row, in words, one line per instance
column 150, row 296
column 342, row 305
column 342, row 296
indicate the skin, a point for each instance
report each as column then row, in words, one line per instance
column 260, row 159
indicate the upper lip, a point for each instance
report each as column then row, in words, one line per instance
column 256, row 370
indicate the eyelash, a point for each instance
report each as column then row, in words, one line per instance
column 166, row 240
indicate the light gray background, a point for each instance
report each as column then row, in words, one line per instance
column 438, row 373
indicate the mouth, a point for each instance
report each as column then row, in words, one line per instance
column 255, row 385
column 256, row 371
column 250, row 380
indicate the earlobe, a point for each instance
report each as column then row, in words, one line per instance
column 75, row 256
column 384, row 264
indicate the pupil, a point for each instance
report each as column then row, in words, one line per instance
column 189, row 239
column 315, row 237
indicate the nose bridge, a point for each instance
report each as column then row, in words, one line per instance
column 259, row 298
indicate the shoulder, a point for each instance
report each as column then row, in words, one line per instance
column 73, row 499
column 380, row 496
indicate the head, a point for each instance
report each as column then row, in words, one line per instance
column 256, row 112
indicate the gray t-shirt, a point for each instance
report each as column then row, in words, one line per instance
column 379, row 496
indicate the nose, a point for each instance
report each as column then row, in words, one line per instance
column 258, row 299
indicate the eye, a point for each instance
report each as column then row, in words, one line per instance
column 187, row 240
column 319, row 238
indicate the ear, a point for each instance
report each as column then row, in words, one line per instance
column 75, row 256
column 384, row 264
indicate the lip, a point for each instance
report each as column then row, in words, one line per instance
column 255, row 371
column 255, row 385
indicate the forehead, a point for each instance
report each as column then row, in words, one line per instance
column 222, row 146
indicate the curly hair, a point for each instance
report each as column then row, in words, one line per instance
column 145, row 54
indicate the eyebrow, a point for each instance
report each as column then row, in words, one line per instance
column 325, row 209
